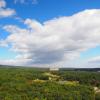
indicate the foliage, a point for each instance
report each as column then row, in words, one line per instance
column 33, row 84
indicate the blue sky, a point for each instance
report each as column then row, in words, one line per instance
column 32, row 25
column 48, row 9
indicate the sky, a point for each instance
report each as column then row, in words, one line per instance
column 61, row 33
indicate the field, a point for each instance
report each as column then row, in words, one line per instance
column 42, row 84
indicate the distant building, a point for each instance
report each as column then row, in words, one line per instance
column 54, row 69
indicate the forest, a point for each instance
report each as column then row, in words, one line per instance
column 23, row 83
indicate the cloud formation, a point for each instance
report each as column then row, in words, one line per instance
column 55, row 41
column 4, row 11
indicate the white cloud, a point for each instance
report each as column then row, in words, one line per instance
column 3, row 43
column 95, row 60
column 34, row 1
column 2, row 3
column 25, row 1
column 55, row 41
column 5, row 12
column 21, row 1
column 16, row 62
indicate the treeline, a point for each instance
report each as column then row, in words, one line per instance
column 80, row 69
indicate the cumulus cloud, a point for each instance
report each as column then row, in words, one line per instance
column 5, row 12
column 57, row 40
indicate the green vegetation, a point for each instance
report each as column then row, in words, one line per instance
column 34, row 84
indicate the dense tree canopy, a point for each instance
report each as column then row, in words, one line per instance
column 35, row 84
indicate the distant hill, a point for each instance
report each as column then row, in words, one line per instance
column 35, row 68
column 61, row 69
